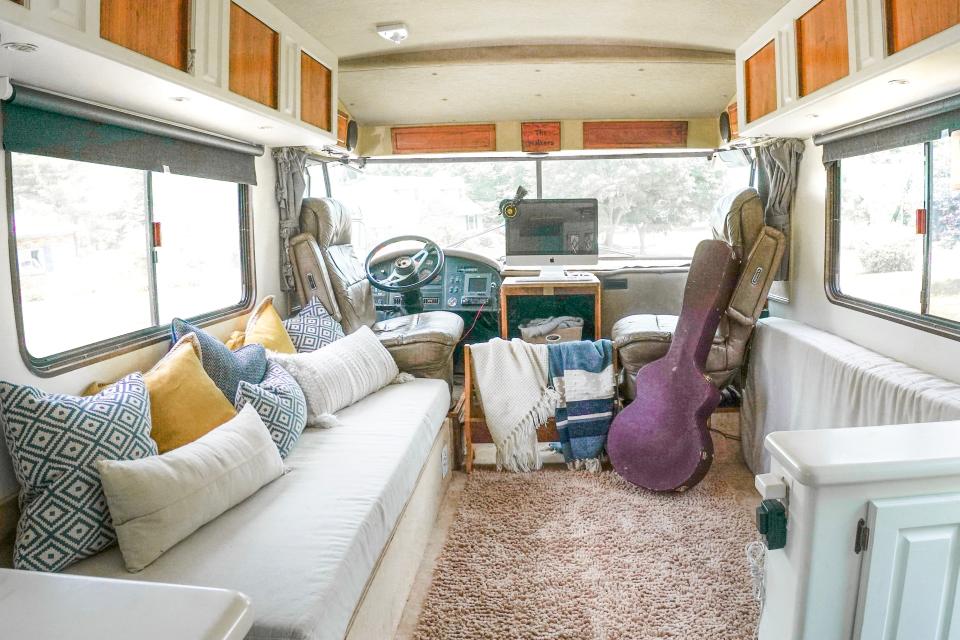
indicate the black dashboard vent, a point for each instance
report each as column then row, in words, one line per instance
column 615, row 284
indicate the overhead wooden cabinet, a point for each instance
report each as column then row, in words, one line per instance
column 315, row 93
column 343, row 122
column 823, row 55
column 760, row 78
column 910, row 21
column 635, row 134
column 454, row 138
column 254, row 57
column 159, row 29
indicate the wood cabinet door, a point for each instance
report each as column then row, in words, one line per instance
column 315, row 90
column 760, row 77
column 823, row 55
column 448, row 138
column 909, row 577
column 158, row 29
column 254, row 57
column 910, row 21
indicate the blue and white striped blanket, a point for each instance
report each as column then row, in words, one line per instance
column 582, row 373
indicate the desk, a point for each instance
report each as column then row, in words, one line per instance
column 516, row 287
column 49, row 606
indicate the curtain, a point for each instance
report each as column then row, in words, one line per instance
column 291, row 185
column 779, row 171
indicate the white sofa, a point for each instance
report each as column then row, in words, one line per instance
column 330, row 549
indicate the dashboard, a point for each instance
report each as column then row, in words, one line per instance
column 468, row 283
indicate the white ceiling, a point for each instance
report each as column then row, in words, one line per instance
column 507, row 90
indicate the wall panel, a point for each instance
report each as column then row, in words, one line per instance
column 634, row 134
column 454, row 138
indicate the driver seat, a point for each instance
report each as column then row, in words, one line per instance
column 421, row 343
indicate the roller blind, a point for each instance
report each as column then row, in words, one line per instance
column 47, row 124
column 911, row 126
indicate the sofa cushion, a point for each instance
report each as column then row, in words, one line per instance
column 265, row 327
column 158, row 501
column 53, row 442
column 313, row 328
column 225, row 367
column 340, row 374
column 184, row 402
column 303, row 547
column 280, row 403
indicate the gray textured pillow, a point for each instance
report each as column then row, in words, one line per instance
column 340, row 374
column 158, row 501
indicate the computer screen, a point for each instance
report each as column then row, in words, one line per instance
column 553, row 228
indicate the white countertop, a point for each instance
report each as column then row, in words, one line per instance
column 47, row 606
column 868, row 454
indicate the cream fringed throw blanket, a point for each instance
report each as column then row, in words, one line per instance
column 512, row 383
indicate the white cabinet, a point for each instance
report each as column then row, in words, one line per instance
column 900, row 583
column 908, row 585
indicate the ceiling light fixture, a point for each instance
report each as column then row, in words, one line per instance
column 395, row 32
column 898, row 82
column 180, row 99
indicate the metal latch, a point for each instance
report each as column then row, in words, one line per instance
column 863, row 536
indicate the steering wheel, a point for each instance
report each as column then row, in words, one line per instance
column 405, row 275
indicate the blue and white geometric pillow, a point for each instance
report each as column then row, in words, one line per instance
column 312, row 328
column 225, row 367
column 280, row 402
column 54, row 440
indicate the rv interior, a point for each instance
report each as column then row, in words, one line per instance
column 442, row 320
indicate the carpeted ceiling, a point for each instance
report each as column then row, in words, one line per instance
column 566, row 555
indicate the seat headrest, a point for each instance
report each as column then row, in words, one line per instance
column 738, row 219
column 329, row 221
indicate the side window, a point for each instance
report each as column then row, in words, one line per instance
column 896, row 234
column 106, row 252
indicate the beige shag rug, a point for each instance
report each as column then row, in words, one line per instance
column 572, row 555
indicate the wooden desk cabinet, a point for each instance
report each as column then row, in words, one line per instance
column 528, row 287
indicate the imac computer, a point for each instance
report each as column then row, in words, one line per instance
column 552, row 233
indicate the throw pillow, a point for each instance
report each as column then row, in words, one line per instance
column 225, row 367
column 265, row 327
column 53, row 441
column 157, row 502
column 340, row 374
column 312, row 328
column 184, row 402
column 280, row 403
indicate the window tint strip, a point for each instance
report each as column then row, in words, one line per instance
column 45, row 124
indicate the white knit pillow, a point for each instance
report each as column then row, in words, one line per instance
column 339, row 374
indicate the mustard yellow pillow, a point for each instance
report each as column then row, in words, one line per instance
column 184, row 402
column 265, row 327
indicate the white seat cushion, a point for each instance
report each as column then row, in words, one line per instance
column 305, row 545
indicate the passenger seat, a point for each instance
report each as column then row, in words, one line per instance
column 738, row 220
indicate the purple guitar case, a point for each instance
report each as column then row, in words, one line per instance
column 660, row 441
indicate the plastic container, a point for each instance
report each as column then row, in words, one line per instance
column 573, row 334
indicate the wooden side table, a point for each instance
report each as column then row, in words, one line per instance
column 47, row 605
column 588, row 285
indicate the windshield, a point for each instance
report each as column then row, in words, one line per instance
column 649, row 207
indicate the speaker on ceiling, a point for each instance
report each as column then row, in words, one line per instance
column 725, row 133
column 353, row 132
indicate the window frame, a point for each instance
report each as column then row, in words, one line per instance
column 84, row 355
column 538, row 159
column 923, row 321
